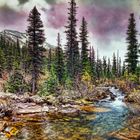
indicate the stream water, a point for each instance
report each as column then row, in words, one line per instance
column 91, row 126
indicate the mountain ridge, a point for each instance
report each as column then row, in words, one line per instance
column 13, row 35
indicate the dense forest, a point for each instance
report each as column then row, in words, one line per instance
column 65, row 66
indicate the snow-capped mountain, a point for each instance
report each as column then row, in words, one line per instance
column 12, row 36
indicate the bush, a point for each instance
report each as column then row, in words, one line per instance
column 17, row 84
column 48, row 87
column 86, row 78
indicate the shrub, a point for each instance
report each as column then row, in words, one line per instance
column 17, row 84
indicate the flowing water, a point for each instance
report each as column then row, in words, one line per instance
column 91, row 126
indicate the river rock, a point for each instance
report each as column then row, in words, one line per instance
column 71, row 112
column 133, row 97
column 32, row 109
column 96, row 96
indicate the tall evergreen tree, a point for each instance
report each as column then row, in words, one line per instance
column 119, row 68
column 104, row 67
column 9, row 57
column 123, row 68
column 60, row 70
column 114, row 65
column 84, row 46
column 17, row 55
column 36, row 39
column 109, row 73
column 132, row 48
column 25, row 59
column 92, row 63
column 2, row 62
column 49, row 59
column 72, row 49
column 99, row 68
column 2, row 57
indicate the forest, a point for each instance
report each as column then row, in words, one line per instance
column 68, row 92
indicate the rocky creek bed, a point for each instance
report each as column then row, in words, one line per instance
column 100, row 115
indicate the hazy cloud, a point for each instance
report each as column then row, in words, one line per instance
column 107, row 19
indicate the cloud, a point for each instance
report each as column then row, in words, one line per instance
column 56, row 15
column 104, row 22
column 10, row 17
column 13, row 4
column 107, row 19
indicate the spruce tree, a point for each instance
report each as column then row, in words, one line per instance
column 84, row 47
column 16, row 49
column 36, row 39
column 72, row 49
column 104, row 67
column 49, row 59
column 99, row 69
column 25, row 59
column 60, row 70
column 132, row 48
column 114, row 65
column 119, row 68
column 123, row 68
column 9, row 57
column 92, row 63
column 2, row 62
column 2, row 57
column 16, row 83
column 109, row 74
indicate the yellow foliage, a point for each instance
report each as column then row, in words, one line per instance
column 44, row 77
column 91, row 87
column 87, row 80
column 13, row 132
column 8, row 135
column 86, row 77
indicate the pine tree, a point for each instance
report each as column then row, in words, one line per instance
column 5, row 50
column 72, row 49
column 114, row 65
column 16, row 83
column 2, row 62
column 99, row 70
column 2, row 57
column 84, row 47
column 16, row 52
column 92, row 63
column 9, row 57
column 123, row 68
column 104, row 67
column 60, row 69
column 132, row 48
column 109, row 74
column 119, row 68
column 49, row 59
column 36, row 38
column 25, row 59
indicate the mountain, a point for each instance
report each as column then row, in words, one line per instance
column 12, row 36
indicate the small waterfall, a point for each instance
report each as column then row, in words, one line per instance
column 117, row 103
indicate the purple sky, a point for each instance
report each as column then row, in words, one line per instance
column 107, row 19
